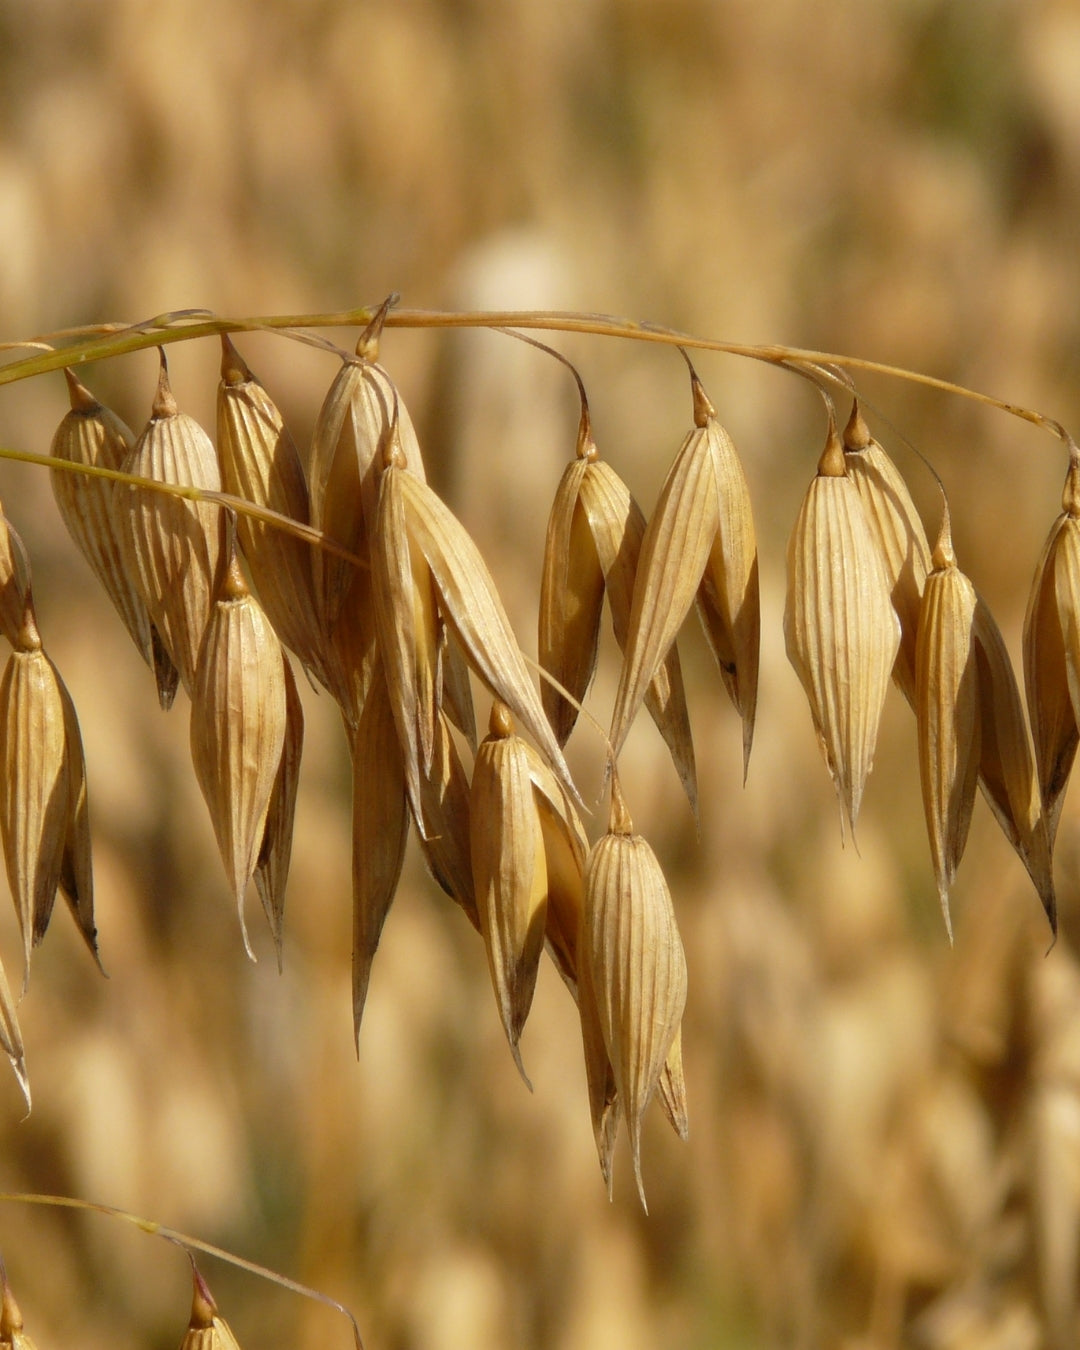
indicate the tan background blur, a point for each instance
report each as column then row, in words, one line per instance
column 885, row 1135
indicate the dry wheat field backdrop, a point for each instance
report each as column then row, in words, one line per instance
column 882, row 1127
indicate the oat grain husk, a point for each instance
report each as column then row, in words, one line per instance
column 271, row 873
column 171, row 546
column 207, row 1329
column 238, row 727
column 841, row 630
column 638, row 967
column 14, row 583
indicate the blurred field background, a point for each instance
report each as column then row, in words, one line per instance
column 885, row 1133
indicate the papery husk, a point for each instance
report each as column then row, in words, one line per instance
column 509, row 871
column 171, row 546
column 380, row 830
column 76, row 867
column 407, row 627
column 261, row 464
column 841, row 630
column 1051, row 613
column 729, row 599
column 92, row 434
column 14, row 582
column 271, row 873
column 1006, row 768
column 638, row 967
column 455, row 685
column 238, row 725
column 348, row 445
column 444, row 829
column 35, row 786
column 618, row 527
column 671, row 1089
column 571, row 602
column 351, row 649
column 898, row 528
column 947, row 712
column 605, row 1107
column 207, row 1329
column 470, row 605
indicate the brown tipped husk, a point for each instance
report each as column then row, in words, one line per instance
column 238, row 725
column 275, row 853
column 638, row 966
column 207, row 1329
column 260, row 463
column 841, row 630
column 379, row 832
column 571, row 602
column 171, row 546
column 509, row 871
column 899, row 531
column 618, row 527
column 947, row 712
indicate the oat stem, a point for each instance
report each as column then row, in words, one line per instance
column 189, row 1245
column 98, row 341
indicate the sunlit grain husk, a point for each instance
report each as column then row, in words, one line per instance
column 171, row 546
column 605, row 1107
column 92, row 434
column 618, row 527
column 841, row 630
column 238, row 725
column 34, row 790
column 728, row 599
column 1006, row 768
column 454, row 683
column 407, row 626
column 444, row 830
column 379, row 833
column 947, row 713
column 275, row 853
column 565, row 851
column 469, row 603
column 207, row 1329
column 76, row 867
column 638, row 970
column 674, row 554
column 509, row 872
column 571, row 603
column 671, row 1089
column 898, row 528
column 14, row 582
column 348, row 445
column 260, row 463
column 1052, row 651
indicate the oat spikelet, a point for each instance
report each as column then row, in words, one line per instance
column 35, row 789
column 260, row 463
column 638, row 969
column 698, row 546
column 275, row 853
column 1052, row 651
column 11, row 1037
column 207, row 1329
column 947, row 711
column 171, row 546
column 617, row 527
column 470, row 606
column 901, row 538
column 1006, row 769
column 671, row 1089
column 605, row 1107
column 352, row 432
column 571, row 598
column 443, row 827
column 509, row 871
column 238, row 725
column 841, row 630
column 380, row 831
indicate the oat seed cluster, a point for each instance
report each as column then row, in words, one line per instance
column 345, row 560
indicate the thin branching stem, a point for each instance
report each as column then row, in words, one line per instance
column 188, row 1244
column 106, row 340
